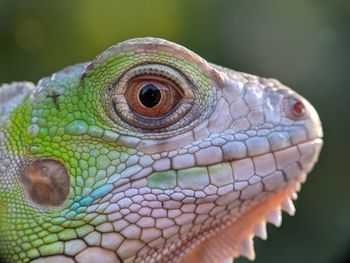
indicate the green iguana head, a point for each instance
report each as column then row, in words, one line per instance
column 148, row 154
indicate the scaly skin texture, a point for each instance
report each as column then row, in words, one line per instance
column 85, row 179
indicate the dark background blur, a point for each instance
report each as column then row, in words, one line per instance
column 304, row 44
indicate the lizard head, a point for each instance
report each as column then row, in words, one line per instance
column 150, row 154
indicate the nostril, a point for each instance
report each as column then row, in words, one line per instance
column 297, row 107
column 294, row 108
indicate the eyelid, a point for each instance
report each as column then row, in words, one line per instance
column 155, row 71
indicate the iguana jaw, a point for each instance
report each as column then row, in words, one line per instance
column 235, row 238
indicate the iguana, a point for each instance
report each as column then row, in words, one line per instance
column 148, row 154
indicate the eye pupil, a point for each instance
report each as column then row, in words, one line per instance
column 149, row 95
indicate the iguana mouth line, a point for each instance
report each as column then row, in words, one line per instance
column 317, row 141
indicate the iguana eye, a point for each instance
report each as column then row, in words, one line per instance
column 152, row 97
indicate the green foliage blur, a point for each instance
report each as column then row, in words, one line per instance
column 304, row 44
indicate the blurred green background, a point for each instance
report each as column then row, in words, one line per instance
column 304, row 44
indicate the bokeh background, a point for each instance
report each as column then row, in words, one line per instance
column 305, row 44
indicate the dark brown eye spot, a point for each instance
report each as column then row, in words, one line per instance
column 152, row 98
column 47, row 182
